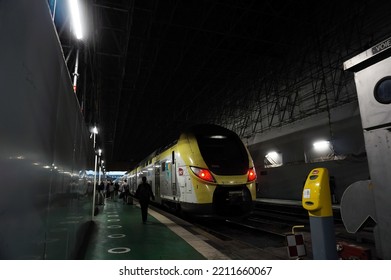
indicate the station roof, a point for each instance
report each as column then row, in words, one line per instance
column 151, row 68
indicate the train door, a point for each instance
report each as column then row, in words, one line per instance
column 173, row 176
column 157, row 181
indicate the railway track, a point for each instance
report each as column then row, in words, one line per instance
column 264, row 231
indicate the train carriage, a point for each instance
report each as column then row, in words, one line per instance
column 207, row 171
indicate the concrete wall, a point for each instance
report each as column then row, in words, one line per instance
column 286, row 181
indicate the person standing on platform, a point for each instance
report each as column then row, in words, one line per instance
column 116, row 190
column 144, row 193
column 111, row 190
column 101, row 189
column 125, row 192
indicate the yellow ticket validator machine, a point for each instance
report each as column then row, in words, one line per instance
column 316, row 193
column 317, row 200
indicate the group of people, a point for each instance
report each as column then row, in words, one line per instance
column 108, row 191
column 124, row 192
column 113, row 191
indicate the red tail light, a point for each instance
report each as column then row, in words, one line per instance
column 251, row 174
column 202, row 173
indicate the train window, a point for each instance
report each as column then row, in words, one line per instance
column 382, row 91
column 223, row 151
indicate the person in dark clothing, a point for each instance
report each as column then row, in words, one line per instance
column 126, row 192
column 116, row 190
column 101, row 196
column 144, row 193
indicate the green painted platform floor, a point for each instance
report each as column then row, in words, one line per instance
column 120, row 235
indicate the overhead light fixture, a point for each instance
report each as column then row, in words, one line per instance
column 94, row 130
column 272, row 154
column 321, row 145
column 273, row 159
column 76, row 22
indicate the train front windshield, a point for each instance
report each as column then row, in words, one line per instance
column 223, row 151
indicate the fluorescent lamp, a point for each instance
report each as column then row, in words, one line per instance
column 95, row 130
column 272, row 154
column 273, row 159
column 321, row 145
column 75, row 13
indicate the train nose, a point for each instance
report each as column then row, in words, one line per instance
column 232, row 201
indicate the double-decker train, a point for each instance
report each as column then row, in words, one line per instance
column 207, row 171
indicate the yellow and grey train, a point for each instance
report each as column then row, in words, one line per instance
column 207, row 171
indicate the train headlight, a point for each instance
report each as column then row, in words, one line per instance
column 203, row 174
column 251, row 174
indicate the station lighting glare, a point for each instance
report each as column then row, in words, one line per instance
column 76, row 22
column 273, row 159
column 99, row 152
column 94, row 130
column 321, row 145
column 272, row 154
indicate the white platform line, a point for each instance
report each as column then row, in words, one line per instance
column 197, row 243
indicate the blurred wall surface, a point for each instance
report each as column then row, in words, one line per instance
column 45, row 202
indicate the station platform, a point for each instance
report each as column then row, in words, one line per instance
column 119, row 234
